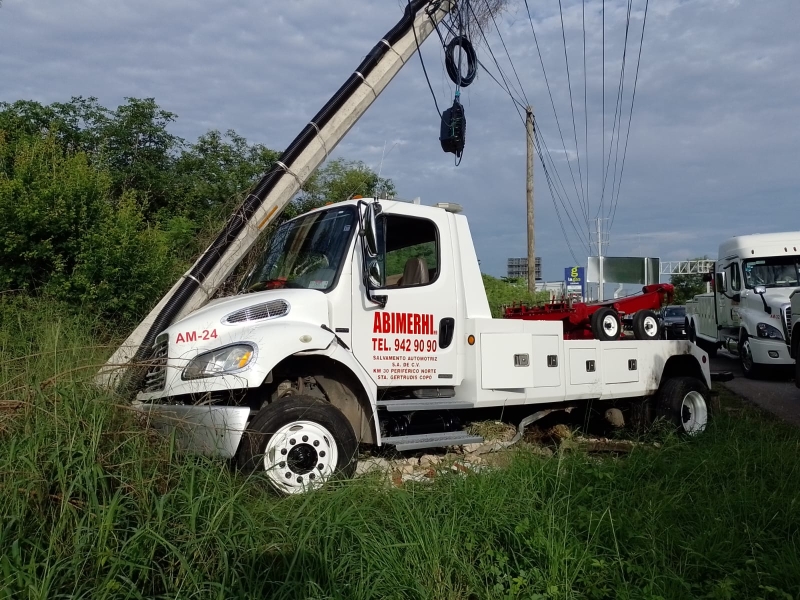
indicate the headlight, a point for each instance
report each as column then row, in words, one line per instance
column 219, row 362
column 765, row 330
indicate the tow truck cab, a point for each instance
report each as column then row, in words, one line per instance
column 377, row 309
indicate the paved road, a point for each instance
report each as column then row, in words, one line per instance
column 776, row 392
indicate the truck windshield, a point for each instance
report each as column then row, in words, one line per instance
column 307, row 252
column 775, row 271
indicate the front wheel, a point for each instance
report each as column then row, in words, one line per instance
column 683, row 402
column 299, row 442
column 750, row 367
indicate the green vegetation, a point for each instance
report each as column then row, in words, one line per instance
column 503, row 292
column 104, row 208
column 96, row 506
column 687, row 286
column 101, row 210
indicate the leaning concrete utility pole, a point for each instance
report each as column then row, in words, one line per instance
column 529, row 194
column 277, row 188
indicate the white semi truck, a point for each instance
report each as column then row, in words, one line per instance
column 366, row 319
column 748, row 313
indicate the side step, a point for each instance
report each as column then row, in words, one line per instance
column 432, row 440
column 424, row 404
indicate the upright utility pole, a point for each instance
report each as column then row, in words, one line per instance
column 600, row 258
column 529, row 194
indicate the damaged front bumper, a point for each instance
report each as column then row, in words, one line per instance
column 209, row 430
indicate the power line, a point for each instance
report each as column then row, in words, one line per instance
column 617, row 111
column 572, row 110
column 502, row 41
column 550, row 93
column 424, row 70
column 630, row 115
column 585, row 106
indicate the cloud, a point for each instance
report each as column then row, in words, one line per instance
column 713, row 147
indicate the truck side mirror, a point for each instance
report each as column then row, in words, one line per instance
column 374, row 274
column 719, row 282
column 370, row 231
column 761, row 290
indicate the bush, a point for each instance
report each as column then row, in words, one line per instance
column 503, row 293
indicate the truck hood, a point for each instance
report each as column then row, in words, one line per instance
column 310, row 306
column 777, row 297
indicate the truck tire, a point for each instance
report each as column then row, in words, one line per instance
column 750, row 368
column 797, row 371
column 299, row 442
column 606, row 325
column 646, row 326
column 691, row 334
column 683, row 402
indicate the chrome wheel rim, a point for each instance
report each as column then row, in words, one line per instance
column 694, row 413
column 300, row 456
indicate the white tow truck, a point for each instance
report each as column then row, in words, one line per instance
column 748, row 313
column 367, row 318
column 366, row 322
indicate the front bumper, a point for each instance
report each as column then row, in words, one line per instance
column 209, row 430
column 767, row 352
column 675, row 332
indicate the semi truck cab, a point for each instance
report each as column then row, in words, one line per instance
column 749, row 311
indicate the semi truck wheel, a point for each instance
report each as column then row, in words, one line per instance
column 606, row 325
column 683, row 402
column 751, row 368
column 300, row 442
column 645, row 325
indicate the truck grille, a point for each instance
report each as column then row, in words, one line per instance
column 258, row 312
column 156, row 376
column 787, row 315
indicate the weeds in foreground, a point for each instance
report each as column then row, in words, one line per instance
column 95, row 506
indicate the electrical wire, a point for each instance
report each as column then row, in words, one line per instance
column 572, row 110
column 502, row 41
column 424, row 70
column 550, row 93
column 617, row 109
column 585, row 106
column 630, row 114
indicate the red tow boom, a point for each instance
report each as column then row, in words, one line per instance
column 577, row 316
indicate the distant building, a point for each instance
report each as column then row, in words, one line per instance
column 518, row 268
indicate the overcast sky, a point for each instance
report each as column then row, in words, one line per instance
column 714, row 147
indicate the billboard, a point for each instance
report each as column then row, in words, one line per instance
column 575, row 278
column 625, row 269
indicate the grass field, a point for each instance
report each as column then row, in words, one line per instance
column 93, row 506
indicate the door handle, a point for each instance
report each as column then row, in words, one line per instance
column 447, row 327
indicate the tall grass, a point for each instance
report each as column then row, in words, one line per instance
column 94, row 506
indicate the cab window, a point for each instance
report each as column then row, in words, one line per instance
column 412, row 251
column 735, row 277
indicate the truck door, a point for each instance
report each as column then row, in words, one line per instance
column 411, row 341
column 728, row 299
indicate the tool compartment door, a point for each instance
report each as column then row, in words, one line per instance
column 620, row 364
column 506, row 361
column 546, row 361
column 583, row 366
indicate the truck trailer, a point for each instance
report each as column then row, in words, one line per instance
column 748, row 313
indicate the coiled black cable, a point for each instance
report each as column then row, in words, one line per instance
column 453, row 70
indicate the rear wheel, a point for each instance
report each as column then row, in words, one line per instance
column 606, row 325
column 646, row 326
column 684, row 403
column 299, row 442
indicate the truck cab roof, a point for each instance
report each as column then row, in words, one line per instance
column 761, row 244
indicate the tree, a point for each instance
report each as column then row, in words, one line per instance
column 687, row 286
